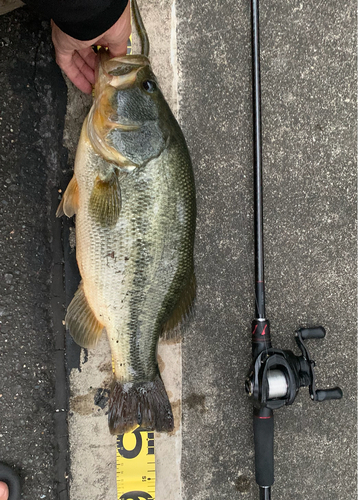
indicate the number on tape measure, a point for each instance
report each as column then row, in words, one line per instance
column 130, row 453
column 136, row 466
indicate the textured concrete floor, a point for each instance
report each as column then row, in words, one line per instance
column 309, row 126
column 32, row 111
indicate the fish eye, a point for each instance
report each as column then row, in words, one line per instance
column 149, row 85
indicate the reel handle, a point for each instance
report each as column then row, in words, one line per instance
column 327, row 394
column 316, row 332
column 319, row 395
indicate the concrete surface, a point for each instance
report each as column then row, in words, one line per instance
column 309, row 127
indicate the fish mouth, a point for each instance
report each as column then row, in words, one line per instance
column 112, row 74
column 118, row 72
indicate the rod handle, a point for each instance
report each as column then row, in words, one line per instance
column 263, row 438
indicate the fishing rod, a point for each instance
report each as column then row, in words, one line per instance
column 275, row 375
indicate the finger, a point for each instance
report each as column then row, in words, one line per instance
column 89, row 56
column 67, row 64
column 4, row 491
column 83, row 67
column 118, row 49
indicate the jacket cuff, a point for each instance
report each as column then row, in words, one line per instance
column 94, row 26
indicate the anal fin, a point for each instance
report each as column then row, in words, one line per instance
column 69, row 202
column 183, row 308
column 81, row 322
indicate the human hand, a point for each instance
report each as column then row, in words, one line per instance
column 76, row 57
column 4, row 491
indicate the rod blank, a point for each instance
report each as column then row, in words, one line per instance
column 258, row 197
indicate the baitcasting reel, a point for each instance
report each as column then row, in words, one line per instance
column 276, row 376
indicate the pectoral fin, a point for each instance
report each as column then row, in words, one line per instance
column 105, row 200
column 81, row 322
column 69, row 202
column 181, row 311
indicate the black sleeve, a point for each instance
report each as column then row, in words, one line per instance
column 81, row 19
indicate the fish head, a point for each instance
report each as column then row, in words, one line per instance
column 127, row 123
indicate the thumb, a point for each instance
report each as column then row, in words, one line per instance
column 4, row 491
column 117, row 49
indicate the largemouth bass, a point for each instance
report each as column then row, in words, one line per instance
column 134, row 198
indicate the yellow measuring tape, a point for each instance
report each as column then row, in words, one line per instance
column 135, row 454
column 136, row 466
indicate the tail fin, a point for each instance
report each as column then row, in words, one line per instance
column 140, row 403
